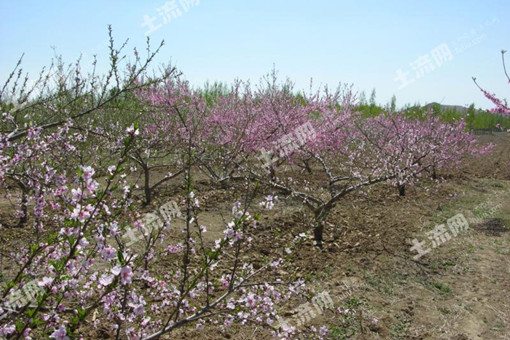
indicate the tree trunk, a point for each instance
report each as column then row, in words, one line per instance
column 224, row 183
column 318, row 233
column 24, row 204
column 24, row 209
column 307, row 167
column 147, row 186
column 319, row 222
column 402, row 189
column 272, row 173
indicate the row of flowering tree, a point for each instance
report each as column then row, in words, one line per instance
column 270, row 134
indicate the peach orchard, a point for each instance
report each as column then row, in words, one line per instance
column 70, row 144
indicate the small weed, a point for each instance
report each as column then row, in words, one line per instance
column 448, row 263
column 443, row 288
column 327, row 273
column 372, row 280
column 400, row 328
column 444, row 310
column 499, row 325
column 353, row 303
column 471, row 249
column 341, row 333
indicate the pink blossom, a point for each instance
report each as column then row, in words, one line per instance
column 81, row 213
column 88, row 172
column 76, row 194
column 115, row 270
column 108, row 253
column 92, row 186
column 7, row 329
column 324, row 331
column 138, row 309
column 132, row 131
column 105, row 279
column 60, row 333
column 126, row 275
column 46, row 282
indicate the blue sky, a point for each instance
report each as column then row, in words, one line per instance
column 437, row 45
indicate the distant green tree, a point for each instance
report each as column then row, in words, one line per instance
column 393, row 103
column 214, row 91
column 484, row 121
column 436, row 108
column 370, row 108
column 470, row 116
column 373, row 109
column 450, row 115
column 362, row 98
column 372, row 98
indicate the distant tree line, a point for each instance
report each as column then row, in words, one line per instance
column 476, row 119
